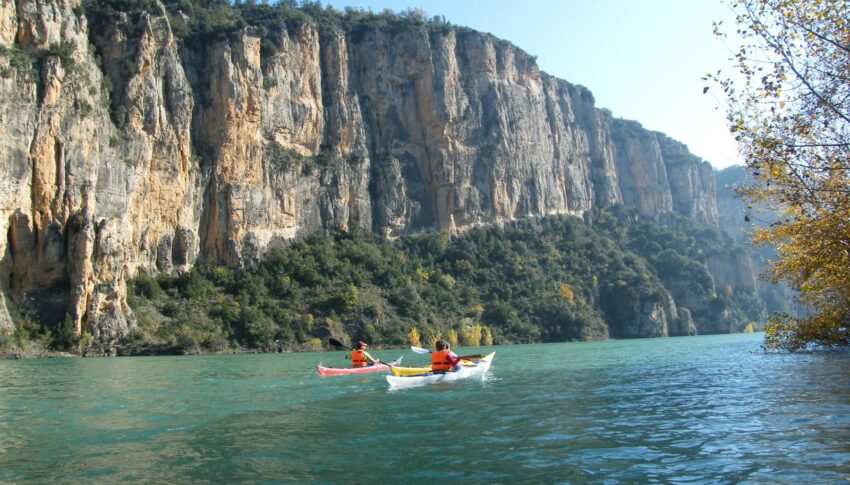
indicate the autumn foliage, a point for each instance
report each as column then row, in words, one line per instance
column 789, row 108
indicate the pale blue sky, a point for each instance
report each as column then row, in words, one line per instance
column 642, row 59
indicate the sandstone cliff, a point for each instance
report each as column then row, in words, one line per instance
column 125, row 150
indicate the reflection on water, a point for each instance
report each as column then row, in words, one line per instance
column 683, row 410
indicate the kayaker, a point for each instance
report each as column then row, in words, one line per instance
column 359, row 356
column 443, row 360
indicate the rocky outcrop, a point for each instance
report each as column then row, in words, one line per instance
column 91, row 201
column 733, row 213
column 691, row 180
column 641, row 168
column 6, row 323
column 684, row 326
column 733, row 270
column 652, row 317
column 145, row 155
column 654, row 314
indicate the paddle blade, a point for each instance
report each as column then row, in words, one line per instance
column 419, row 350
column 335, row 342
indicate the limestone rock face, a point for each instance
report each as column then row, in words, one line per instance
column 145, row 155
column 684, row 326
column 8, row 24
column 692, row 183
column 647, row 317
column 734, row 270
column 731, row 218
column 641, row 169
column 731, row 210
column 6, row 323
column 42, row 23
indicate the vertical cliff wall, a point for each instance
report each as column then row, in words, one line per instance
column 738, row 218
column 125, row 150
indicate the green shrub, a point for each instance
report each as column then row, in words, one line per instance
column 66, row 337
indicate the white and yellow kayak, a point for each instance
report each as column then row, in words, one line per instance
column 417, row 376
column 414, row 371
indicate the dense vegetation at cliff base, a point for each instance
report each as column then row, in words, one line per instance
column 538, row 280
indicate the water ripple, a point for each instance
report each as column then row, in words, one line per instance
column 689, row 410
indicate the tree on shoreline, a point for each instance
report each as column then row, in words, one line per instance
column 789, row 108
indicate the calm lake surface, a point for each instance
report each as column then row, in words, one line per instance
column 679, row 410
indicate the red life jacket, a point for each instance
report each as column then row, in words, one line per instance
column 441, row 360
column 358, row 359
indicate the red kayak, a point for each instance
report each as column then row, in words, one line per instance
column 333, row 371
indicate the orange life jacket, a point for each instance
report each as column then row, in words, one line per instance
column 358, row 359
column 441, row 361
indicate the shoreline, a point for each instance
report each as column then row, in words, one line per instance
column 34, row 351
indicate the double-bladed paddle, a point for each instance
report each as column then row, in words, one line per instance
column 337, row 343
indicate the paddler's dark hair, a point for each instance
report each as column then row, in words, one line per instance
column 442, row 345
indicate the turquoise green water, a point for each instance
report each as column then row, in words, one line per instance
column 679, row 410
